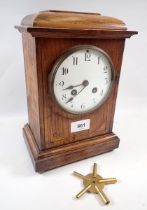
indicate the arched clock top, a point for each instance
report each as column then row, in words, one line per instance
column 72, row 20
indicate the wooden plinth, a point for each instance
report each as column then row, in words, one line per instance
column 44, row 160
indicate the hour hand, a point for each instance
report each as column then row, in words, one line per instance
column 84, row 83
column 69, row 87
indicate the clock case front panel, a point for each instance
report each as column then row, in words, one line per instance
column 47, row 135
column 57, row 122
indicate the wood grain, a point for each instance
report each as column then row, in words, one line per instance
column 72, row 20
column 56, row 157
column 31, row 75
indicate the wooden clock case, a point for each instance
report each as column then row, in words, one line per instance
column 46, row 36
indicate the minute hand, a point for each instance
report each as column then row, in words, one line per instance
column 85, row 84
column 80, row 91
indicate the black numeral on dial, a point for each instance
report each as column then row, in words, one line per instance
column 82, row 106
column 105, row 69
column 64, row 97
column 107, row 81
column 98, row 59
column 71, row 106
column 75, row 60
column 64, row 71
column 87, row 56
column 102, row 91
column 61, row 83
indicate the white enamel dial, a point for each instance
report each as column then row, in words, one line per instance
column 81, row 79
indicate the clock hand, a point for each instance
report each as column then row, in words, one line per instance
column 84, row 83
column 80, row 91
column 69, row 87
column 70, row 99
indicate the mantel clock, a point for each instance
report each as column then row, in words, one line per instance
column 72, row 67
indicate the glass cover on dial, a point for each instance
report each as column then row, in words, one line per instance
column 81, row 79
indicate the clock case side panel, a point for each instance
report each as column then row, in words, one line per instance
column 117, row 61
column 55, row 119
column 33, row 94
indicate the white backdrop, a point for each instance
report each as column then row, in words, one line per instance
column 22, row 188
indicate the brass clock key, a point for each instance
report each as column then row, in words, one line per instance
column 94, row 183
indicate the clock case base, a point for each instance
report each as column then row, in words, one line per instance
column 44, row 160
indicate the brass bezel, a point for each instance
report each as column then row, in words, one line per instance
column 58, row 63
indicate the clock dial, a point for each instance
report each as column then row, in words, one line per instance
column 81, row 79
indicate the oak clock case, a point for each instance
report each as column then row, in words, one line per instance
column 90, row 69
column 50, row 39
